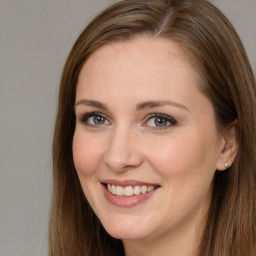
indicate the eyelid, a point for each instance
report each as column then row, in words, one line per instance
column 172, row 122
column 170, row 119
column 84, row 117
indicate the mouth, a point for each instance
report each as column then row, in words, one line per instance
column 130, row 190
column 128, row 193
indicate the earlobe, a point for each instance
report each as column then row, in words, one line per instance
column 229, row 147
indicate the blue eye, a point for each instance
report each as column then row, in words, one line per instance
column 160, row 121
column 94, row 119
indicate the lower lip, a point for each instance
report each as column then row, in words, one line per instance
column 127, row 201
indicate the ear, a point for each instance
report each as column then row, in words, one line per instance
column 229, row 147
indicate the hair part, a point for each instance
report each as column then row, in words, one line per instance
column 211, row 42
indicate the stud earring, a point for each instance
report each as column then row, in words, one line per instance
column 226, row 165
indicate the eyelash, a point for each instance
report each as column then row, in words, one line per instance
column 166, row 118
column 84, row 118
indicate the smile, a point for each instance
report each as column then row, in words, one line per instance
column 128, row 193
column 129, row 190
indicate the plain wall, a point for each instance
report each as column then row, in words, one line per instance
column 35, row 37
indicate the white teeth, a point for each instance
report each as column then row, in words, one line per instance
column 109, row 188
column 113, row 190
column 129, row 190
column 136, row 190
column 119, row 191
column 144, row 189
column 150, row 188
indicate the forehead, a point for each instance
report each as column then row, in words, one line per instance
column 142, row 56
column 141, row 46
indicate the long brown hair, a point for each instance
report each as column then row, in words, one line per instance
column 228, row 81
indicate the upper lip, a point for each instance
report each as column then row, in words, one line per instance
column 124, row 183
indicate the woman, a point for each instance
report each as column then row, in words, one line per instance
column 154, row 147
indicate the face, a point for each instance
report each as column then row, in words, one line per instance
column 145, row 145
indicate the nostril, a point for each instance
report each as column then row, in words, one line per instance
column 122, row 161
column 121, row 153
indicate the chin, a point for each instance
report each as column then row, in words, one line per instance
column 127, row 230
column 126, row 234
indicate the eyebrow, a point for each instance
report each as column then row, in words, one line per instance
column 139, row 106
column 154, row 104
column 91, row 103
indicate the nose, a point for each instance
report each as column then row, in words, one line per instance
column 122, row 152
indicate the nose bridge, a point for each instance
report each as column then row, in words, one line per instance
column 122, row 150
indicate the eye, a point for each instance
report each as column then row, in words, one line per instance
column 94, row 119
column 160, row 121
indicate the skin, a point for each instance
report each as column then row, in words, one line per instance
column 128, row 144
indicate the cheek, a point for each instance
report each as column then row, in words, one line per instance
column 86, row 154
column 182, row 155
column 187, row 168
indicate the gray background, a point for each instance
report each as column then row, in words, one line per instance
column 35, row 37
